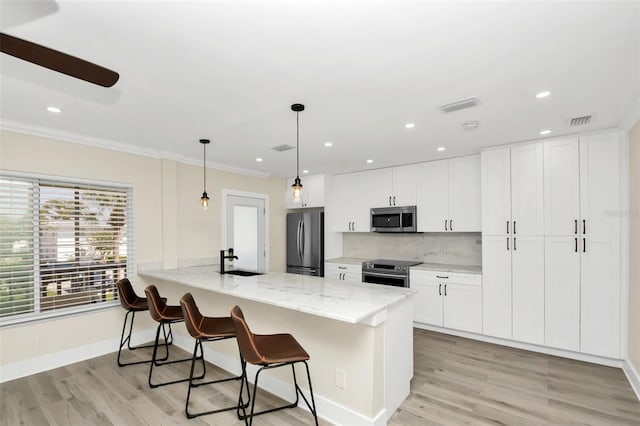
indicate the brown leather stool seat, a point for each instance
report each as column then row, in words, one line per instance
column 269, row 351
column 205, row 329
column 133, row 303
column 164, row 314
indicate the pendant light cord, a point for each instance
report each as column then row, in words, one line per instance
column 204, row 166
column 297, row 144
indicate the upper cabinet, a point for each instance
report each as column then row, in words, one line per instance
column 351, row 210
column 312, row 192
column 393, row 186
column 448, row 195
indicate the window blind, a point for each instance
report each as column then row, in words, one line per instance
column 65, row 246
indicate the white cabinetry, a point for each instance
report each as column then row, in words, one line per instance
column 582, row 189
column 448, row 195
column 312, row 192
column 351, row 212
column 343, row 271
column 392, row 186
column 513, row 244
column 445, row 299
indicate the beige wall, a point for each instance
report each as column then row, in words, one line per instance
column 634, row 246
column 169, row 226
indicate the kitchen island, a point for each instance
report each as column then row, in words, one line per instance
column 359, row 336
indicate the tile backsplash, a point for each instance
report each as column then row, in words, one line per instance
column 459, row 248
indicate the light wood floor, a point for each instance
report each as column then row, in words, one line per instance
column 456, row 381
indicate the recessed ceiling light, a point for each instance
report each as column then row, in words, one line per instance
column 441, row 148
column 545, row 132
column 410, row 125
column 543, row 94
column 305, row 171
column 259, row 160
column 54, row 110
column 328, row 144
column 369, row 161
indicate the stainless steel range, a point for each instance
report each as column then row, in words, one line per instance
column 387, row 272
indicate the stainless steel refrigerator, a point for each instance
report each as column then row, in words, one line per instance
column 305, row 243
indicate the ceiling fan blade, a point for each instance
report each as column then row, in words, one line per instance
column 57, row 61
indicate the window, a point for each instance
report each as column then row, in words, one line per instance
column 63, row 246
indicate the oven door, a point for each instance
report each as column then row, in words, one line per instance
column 385, row 279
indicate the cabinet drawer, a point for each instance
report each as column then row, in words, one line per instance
column 445, row 277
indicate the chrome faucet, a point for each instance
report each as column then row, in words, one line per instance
column 223, row 257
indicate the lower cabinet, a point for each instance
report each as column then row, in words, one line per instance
column 452, row 300
column 343, row 272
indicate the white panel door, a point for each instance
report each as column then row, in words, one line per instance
column 496, row 191
column 463, row 307
column 404, row 185
column 527, row 264
column 600, row 256
column 245, row 231
column 378, row 187
column 433, row 196
column 561, row 187
column 464, row 194
column 427, row 304
column 527, row 189
column 496, row 286
column 562, row 292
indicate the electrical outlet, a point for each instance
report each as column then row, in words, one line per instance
column 341, row 379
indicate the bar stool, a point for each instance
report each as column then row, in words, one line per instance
column 164, row 314
column 268, row 351
column 133, row 303
column 205, row 329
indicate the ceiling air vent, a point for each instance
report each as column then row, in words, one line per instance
column 281, row 148
column 465, row 103
column 580, row 121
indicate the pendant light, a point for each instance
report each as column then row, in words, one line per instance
column 297, row 184
column 204, row 198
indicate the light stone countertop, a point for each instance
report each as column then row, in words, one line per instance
column 324, row 297
column 346, row 260
column 436, row 267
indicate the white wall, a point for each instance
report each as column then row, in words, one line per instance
column 170, row 228
column 634, row 247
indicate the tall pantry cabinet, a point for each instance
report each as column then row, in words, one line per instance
column 582, row 244
column 513, row 243
column 551, row 252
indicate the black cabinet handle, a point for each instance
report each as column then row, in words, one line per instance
column 442, row 277
column 514, row 244
column 450, row 224
column 445, row 225
column 440, row 290
column 584, row 226
column 507, row 227
column 584, row 245
column 342, row 267
column 575, row 226
column 507, row 243
column 389, row 200
column 445, row 289
column 394, row 200
column 576, row 249
column 514, row 230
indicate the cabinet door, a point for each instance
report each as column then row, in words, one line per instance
column 496, row 286
column 313, row 191
column 562, row 292
column 561, row 187
column 343, row 195
column 433, row 196
column 427, row 304
column 464, row 194
column 527, row 189
column 404, row 185
column 463, row 307
column 496, row 191
column 359, row 203
column 378, row 187
column 527, row 264
column 601, row 254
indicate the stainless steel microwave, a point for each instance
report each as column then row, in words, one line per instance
column 394, row 219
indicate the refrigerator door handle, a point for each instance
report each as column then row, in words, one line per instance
column 302, row 239
column 298, row 241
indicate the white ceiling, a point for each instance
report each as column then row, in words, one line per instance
column 229, row 71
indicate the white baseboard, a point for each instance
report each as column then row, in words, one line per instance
column 632, row 376
column 610, row 362
column 327, row 409
column 42, row 363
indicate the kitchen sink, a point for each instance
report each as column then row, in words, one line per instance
column 242, row 273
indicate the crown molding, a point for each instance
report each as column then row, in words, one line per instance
column 28, row 129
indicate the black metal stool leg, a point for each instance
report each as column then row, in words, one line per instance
column 126, row 341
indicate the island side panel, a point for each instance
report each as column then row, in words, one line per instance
column 398, row 350
column 332, row 344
